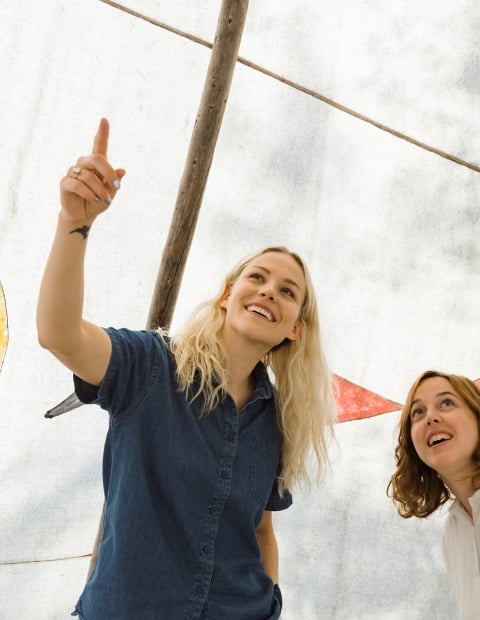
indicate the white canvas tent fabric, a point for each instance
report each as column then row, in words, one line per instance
column 389, row 230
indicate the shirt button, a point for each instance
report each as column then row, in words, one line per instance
column 230, row 436
column 200, row 589
column 214, row 510
column 206, row 549
column 225, row 474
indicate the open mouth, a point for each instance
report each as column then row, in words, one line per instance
column 438, row 438
column 262, row 312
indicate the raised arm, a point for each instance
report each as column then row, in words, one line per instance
column 86, row 191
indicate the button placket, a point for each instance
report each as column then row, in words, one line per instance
column 206, row 557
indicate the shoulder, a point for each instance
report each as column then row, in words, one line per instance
column 140, row 359
column 134, row 342
column 146, row 335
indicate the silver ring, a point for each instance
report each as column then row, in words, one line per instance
column 76, row 171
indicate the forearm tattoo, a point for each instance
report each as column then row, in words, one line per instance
column 82, row 230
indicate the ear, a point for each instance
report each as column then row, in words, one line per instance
column 296, row 331
column 225, row 296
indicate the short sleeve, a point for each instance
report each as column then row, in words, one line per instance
column 137, row 359
column 277, row 502
column 86, row 392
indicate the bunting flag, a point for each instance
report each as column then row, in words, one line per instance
column 355, row 402
column 3, row 326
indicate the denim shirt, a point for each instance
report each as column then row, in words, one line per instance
column 184, row 493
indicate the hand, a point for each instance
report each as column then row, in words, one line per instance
column 90, row 186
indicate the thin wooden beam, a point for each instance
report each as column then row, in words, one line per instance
column 202, row 146
column 303, row 89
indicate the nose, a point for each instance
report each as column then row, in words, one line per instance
column 268, row 292
column 431, row 416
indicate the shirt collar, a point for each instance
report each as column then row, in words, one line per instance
column 263, row 385
column 474, row 501
column 475, row 504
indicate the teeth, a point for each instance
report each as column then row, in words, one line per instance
column 261, row 311
column 438, row 438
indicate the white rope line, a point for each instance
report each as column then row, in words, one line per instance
column 44, row 560
column 303, row 89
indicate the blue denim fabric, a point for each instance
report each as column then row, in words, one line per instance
column 184, row 495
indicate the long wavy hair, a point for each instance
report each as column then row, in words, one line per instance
column 303, row 384
column 415, row 488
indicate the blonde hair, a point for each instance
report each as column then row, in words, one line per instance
column 304, row 397
column 415, row 488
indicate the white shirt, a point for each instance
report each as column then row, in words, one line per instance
column 461, row 550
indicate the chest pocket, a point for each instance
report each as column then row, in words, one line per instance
column 263, row 469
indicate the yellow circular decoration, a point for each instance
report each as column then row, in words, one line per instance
column 3, row 326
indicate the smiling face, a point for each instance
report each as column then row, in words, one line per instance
column 264, row 303
column 444, row 429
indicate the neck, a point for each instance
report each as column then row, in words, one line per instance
column 240, row 361
column 242, row 356
column 463, row 489
column 239, row 368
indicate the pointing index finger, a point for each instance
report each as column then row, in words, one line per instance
column 100, row 142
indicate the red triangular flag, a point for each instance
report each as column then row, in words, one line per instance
column 355, row 402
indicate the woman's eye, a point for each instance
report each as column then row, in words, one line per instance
column 289, row 292
column 415, row 412
column 256, row 276
column 448, row 402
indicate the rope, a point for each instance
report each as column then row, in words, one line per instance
column 67, row 557
column 307, row 91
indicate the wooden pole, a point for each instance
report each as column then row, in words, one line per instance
column 228, row 35
column 202, row 145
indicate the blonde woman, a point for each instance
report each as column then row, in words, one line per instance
column 201, row 447
column 438, row 460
